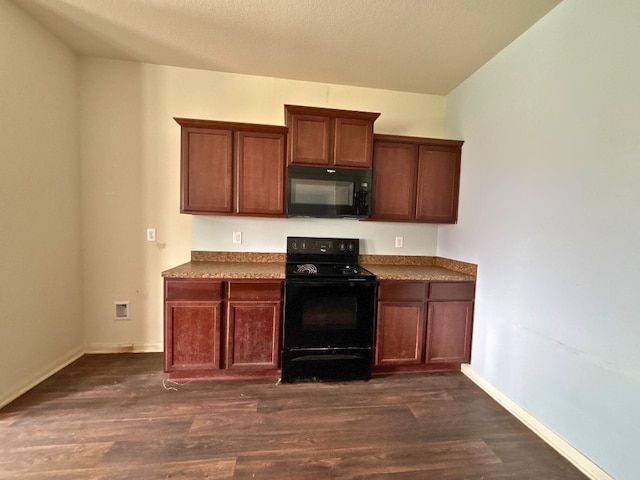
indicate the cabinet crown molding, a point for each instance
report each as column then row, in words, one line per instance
column 383, row 137
column 238, row 126
column 330, row 112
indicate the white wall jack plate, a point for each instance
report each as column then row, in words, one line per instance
column 399, row 242
column 237, row 237
column 151, row 234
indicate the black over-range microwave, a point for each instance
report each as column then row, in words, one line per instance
column 327, row 192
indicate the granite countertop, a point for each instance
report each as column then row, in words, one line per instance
column 416, row 272
column 399, row 267
column 247, row 270
column 271, row 266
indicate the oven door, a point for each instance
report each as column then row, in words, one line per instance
column 329, row 314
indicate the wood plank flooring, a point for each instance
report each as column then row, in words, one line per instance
column 118, row 417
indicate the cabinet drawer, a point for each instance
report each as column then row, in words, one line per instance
column 193, row 289
column 255, row 290
column 451, row 290
column 402, row 290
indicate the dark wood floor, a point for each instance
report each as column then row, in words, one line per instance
column 117, row 417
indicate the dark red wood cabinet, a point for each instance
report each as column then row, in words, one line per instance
column 192, row 320
column 232, row 168
column 423, row 325
column 222, row 329
column 253, row 325
column 415, row 179
column 328, row 137
column 401, row 323
column 232, row 328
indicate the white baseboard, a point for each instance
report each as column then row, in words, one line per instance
column 45, row 373
column 581, row 462
column 123, row 348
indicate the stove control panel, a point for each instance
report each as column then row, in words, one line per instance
column 323, row 246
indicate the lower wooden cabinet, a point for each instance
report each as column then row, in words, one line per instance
column 232, row 328
column 449, row 332
column 192, row 336
column 400, row 333
column 423, row 325
column 222, row 328
column 252, row 327
column 192, row 320
column 252, row 335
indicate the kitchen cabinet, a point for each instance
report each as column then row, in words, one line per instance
column 393, row 195
column 415, row 179
column 329, row 137
column 423, row 325
column 192, row 325
column 222, row 328
column 449, row 322
column 401, row 323
column 232, row 168
column 253, row 325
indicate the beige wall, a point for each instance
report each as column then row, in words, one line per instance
column 90, row 159
column 130, row 180
column 40, row 281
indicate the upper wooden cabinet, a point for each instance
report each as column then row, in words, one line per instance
column 394, row 181
column 329, row 137
column 232, row 168
column 415, row 179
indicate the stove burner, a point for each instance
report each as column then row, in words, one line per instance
column 308, row 268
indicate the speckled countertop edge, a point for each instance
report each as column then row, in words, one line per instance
column 250, row 265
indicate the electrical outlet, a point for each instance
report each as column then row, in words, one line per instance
column 151, row 234
column 237, row 237
column 399, row 242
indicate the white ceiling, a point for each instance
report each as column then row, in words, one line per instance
column 422, row 46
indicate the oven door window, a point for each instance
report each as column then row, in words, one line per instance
column 319, row 315
column 324, row 314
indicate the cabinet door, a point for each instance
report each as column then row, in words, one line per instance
column 394, row 181
column 400, row 333
column 353, row 139
column 449, row 332
column 253, row 335
column 310, row 140
column 206, row 170
column 438, row 184
column 192, row 336
column 260, row 173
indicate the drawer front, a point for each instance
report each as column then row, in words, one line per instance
column 402, row 290
column 255, row 290
column 451, row 290
column 193, row 290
